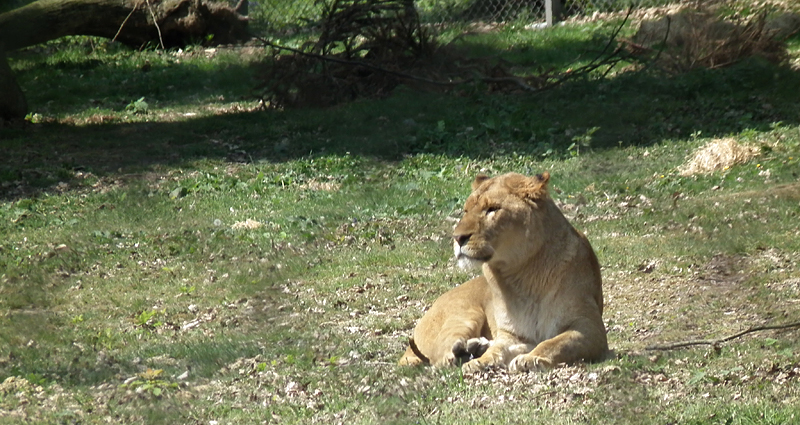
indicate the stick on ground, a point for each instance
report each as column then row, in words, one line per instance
column 717, row 342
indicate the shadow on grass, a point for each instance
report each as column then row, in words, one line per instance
column 82, row 78
column 632, row 109
column 556, row 48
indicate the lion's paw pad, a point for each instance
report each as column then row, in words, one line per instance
column 525, row 363
column 477, row 346
column 472, row 367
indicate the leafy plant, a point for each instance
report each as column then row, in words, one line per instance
column 138, row 106
column 582, row 141
column 147, row 319
column 36, row 379
column 188, row 289
column 150, row 382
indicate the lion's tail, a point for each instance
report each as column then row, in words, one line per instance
column 412, row 356
column 415, row 350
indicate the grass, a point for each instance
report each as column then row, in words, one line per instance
column 132, row 289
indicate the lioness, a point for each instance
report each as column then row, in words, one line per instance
column 540, row 299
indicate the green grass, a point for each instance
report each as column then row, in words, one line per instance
column 122, row 252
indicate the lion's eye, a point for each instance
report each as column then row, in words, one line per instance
column 493, row 209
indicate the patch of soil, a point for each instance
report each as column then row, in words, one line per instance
column 725, row 270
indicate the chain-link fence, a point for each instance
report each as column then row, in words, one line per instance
column 282, row 15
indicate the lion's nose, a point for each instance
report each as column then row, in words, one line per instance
column 461, row 239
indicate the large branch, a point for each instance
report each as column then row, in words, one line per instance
column 133, row 22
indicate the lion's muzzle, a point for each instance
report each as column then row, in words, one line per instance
column 465, row 256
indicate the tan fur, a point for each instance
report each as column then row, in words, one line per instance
column 539, row 301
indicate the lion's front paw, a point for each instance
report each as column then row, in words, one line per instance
column 528, row 362
column 472, row 367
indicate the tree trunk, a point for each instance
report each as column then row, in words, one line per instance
column 177, row 22
column 167, row 23
column 12, row 100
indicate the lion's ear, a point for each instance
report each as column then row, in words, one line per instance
column 480, row 178
column 535, row 187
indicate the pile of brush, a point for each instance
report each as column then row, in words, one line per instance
column 700, row 38
column 368, row 47
column 363, row 44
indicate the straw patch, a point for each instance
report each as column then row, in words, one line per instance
column 698, row 38
column 326, row 186
column 718, row 154
column 247, row 224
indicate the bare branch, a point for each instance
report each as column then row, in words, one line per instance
column 717, row 342
column 122, row 25
column 155, row 22
column 350, row 62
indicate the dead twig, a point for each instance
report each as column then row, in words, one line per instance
column 123, row 22
column 717, row 342
column 601, row 59
column 155, row 22
column 402, row 75
column 351, row 62
column 639, row 47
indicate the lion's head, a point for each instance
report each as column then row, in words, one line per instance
column 503, row 218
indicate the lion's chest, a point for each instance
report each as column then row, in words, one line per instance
column 529, row 320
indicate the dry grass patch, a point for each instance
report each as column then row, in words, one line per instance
column 783, row 191
column 716, row 155
column 324, row 186
column 247, row 224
